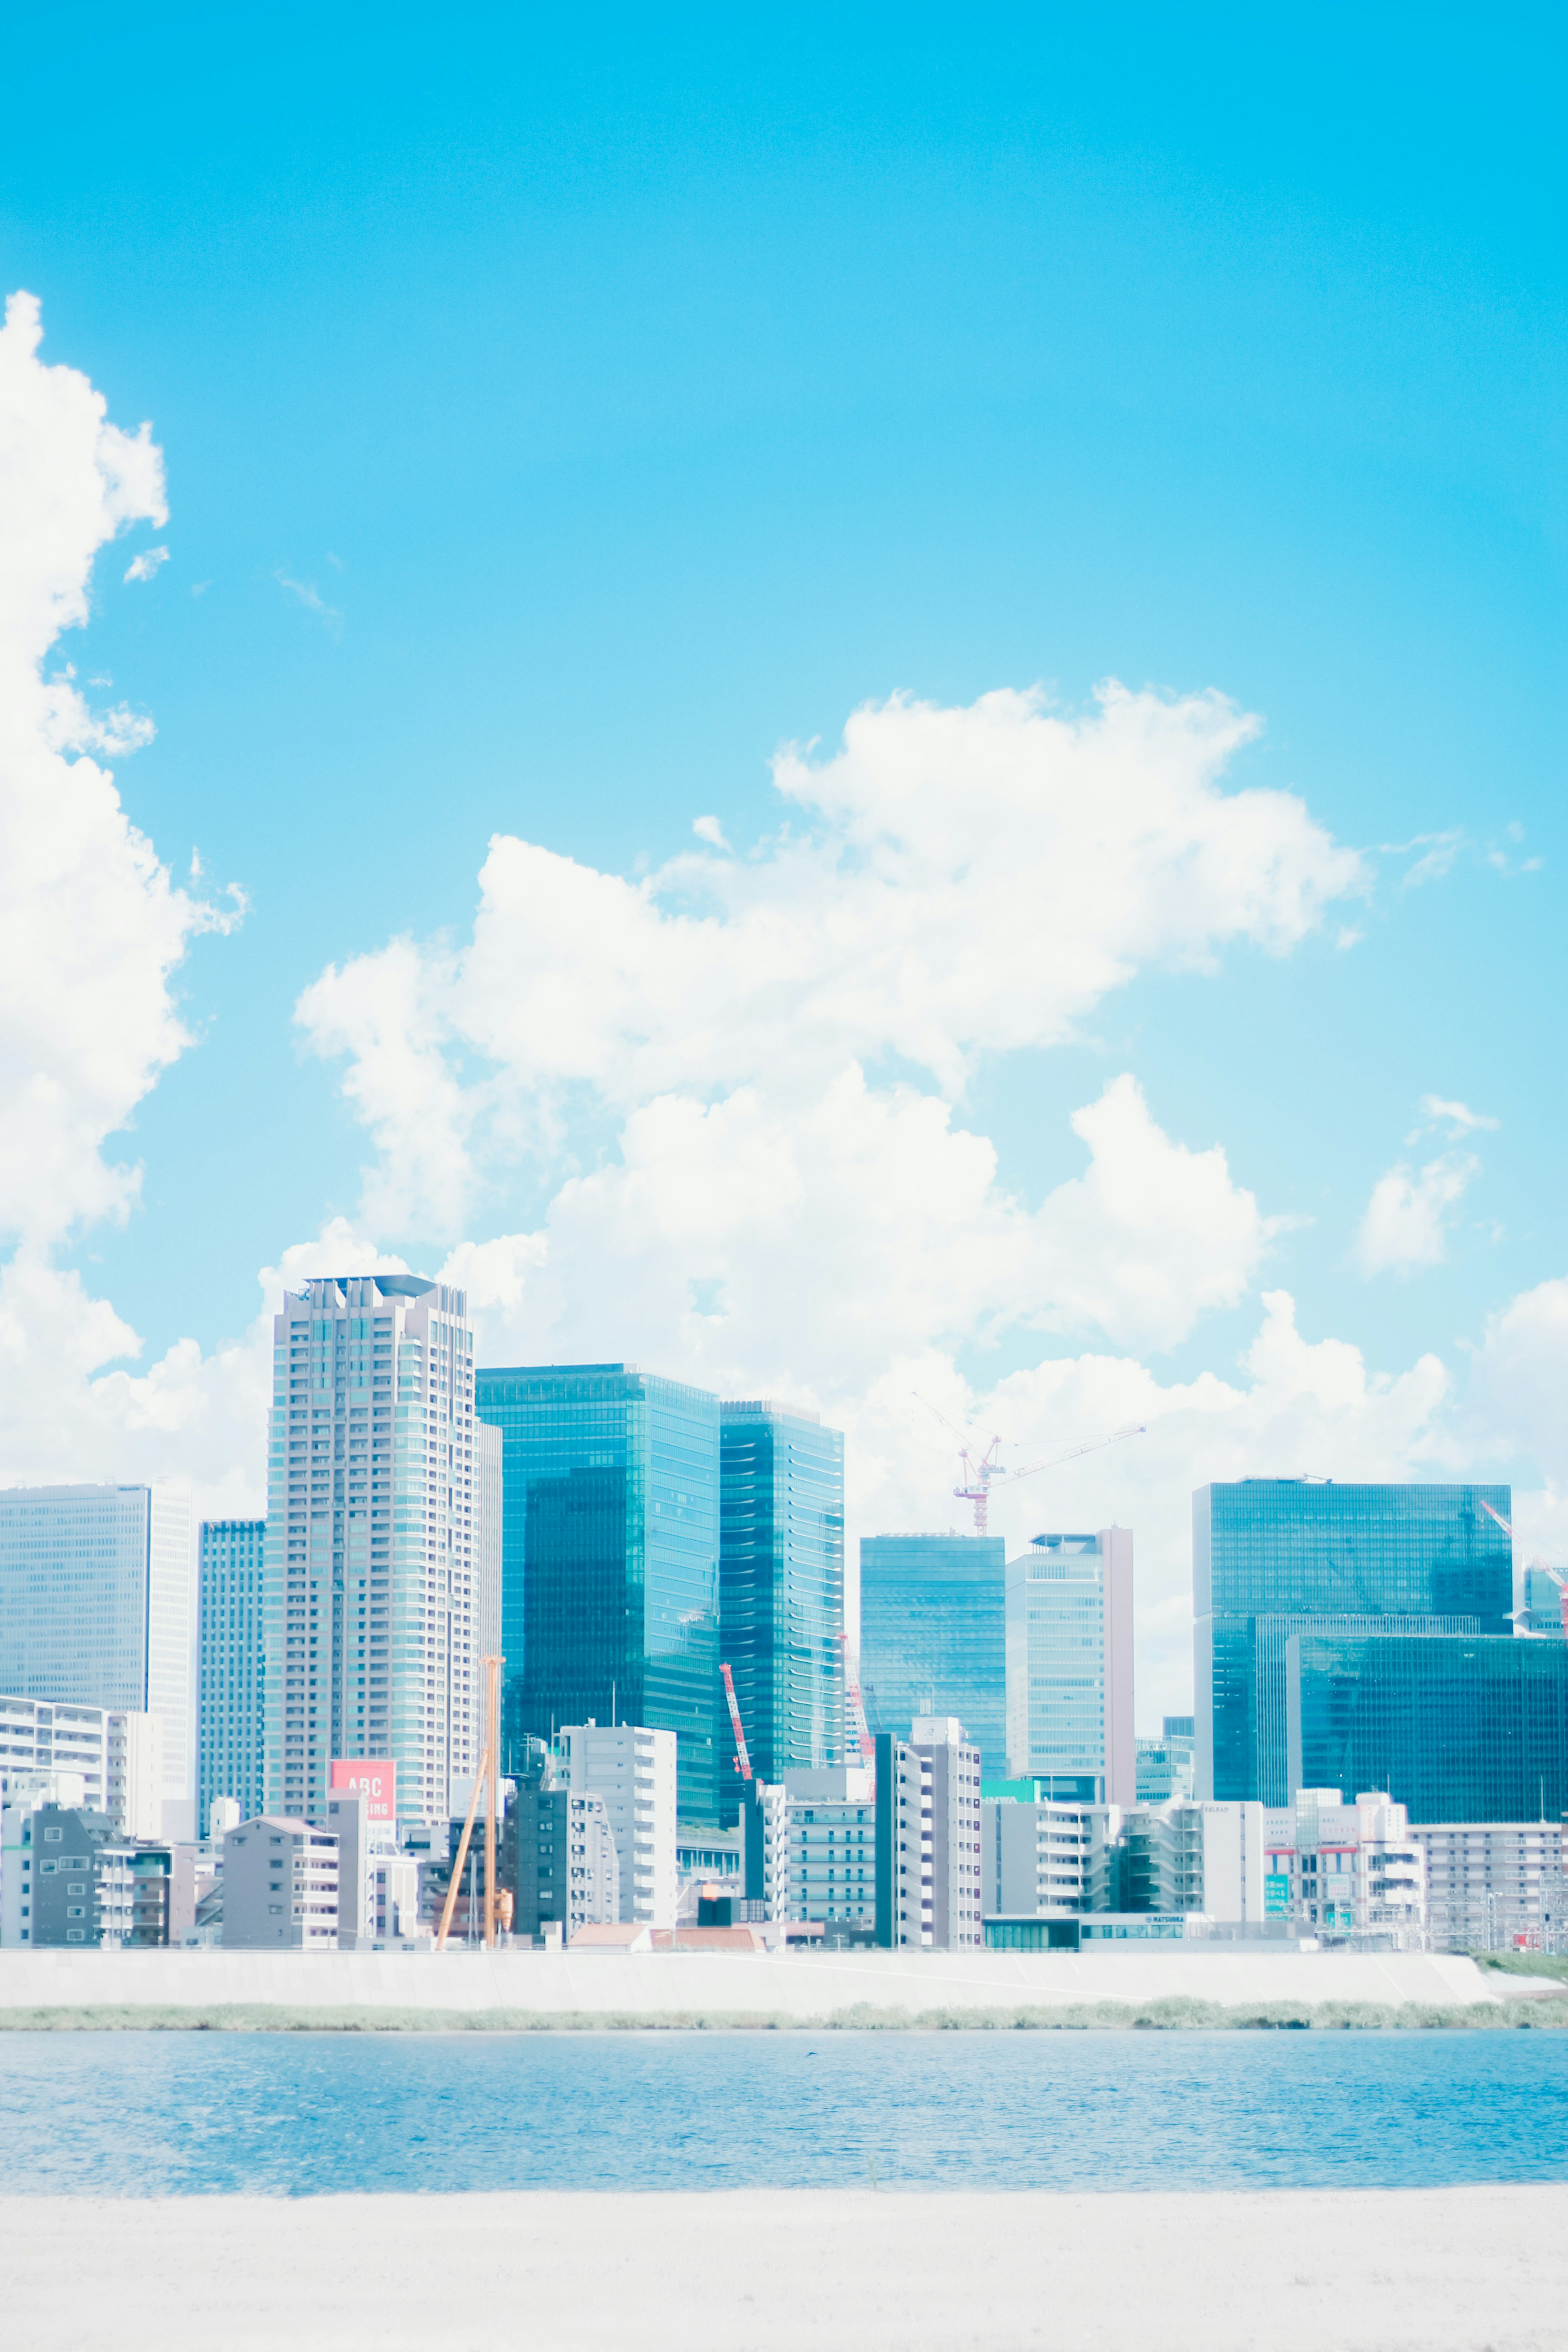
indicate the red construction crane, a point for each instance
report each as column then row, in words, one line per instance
column 980, row 1468
column 855, row 1705
column 1555, row 1574
column 743, row 1762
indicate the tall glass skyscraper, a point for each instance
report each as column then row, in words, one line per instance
column 1070, row 1667
column 610, row 1574
column 781, row 1586
column 97, row 1587
column 933, row 1637
column 1458, row 1728
column 382, row 1553
column 1275, row 1558
column 231, row 1668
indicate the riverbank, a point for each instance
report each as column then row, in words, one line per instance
column 1297, row 2271
column 1202, row 1986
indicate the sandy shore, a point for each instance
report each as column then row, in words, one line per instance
column 1422, row 2270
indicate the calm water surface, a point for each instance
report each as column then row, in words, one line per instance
column 301, row 2114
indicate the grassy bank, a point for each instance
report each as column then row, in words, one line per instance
column 1159, row 2016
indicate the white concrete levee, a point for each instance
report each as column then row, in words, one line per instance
column 737, row 1985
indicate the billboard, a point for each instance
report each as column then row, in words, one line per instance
column 377, row 1776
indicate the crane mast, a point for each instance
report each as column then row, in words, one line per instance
column 743, row 1762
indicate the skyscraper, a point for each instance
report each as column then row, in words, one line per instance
column 231, row 1669
column 934, row 1636
column 381, row 1582
column 610, row 1582
column 781, row 1586
column 1457, row 1728
column 96, row 1590
column 1276, row 1558
column 1070, row 1667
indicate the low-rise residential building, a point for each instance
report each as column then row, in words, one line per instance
column 1352, row 1874
column 1185, row 1859
column 929, row 1839
column 829, row 1817
column 559, row 1859
column 136, row 1790
column 69, row 1878
column 631, row 1770
column 119, row 1754
column 279, row 1887
column 1037, row 1859
column 1493, row 1885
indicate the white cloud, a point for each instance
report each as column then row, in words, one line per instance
column 91, row 926
column 306, row 592
column 963, row 883
column 708, row 829
column 1404, row 1227
column 1456, row 1116
column 145, row 565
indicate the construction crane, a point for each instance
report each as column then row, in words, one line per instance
column 981, row 1468
column 498, row 1904
column 743, row 1762
column 854, row 1704
column 1555, row 1574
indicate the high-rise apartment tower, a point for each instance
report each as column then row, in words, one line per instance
column 381, row 1550
column 231, row 1663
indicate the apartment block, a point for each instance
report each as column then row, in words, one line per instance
column 1038, row 1858
column 631, row 1768
column 559, row 1858
column 1191, row 1859
column 279, row 1887
column 928, row 1839
column 1492, row 1886
column 70, row 1878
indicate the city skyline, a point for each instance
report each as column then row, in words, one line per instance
column 753, row 828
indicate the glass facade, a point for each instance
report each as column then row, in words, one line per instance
column 231, row 1669
column 1069, row 1666
column 1273, row 1557
column 1456, row 1728
column 781, row 1587
column 933, row 1637
column 610, row 1560
column 95, row 1591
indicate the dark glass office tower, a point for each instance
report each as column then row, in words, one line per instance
column 1458, row 1728
column 610, row 1559
column 933, row 1637
column 1275, row 1558
column 781, row 1586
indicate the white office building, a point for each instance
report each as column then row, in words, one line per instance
column 1352, row 1874
column 1069, row 1612
column 1493, row 1887
column 382, row 1551
column 96, row 1590
column 632, row 1769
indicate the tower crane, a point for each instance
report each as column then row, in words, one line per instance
column 498, row 1904
column 981, row 1468
column 743, row 1762
column 1556, row 1574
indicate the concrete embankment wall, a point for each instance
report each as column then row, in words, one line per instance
column 1205, row 1986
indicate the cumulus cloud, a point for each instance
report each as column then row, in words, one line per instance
column 950, row 883
column 1404, row 1226
column 91, row 925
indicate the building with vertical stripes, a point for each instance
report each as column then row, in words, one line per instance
column 231, row 1669
column 381, row 1585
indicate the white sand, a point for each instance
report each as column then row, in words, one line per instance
column 805, row 1986
column 1422, row 2270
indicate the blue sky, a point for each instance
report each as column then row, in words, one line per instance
column 623, row 402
